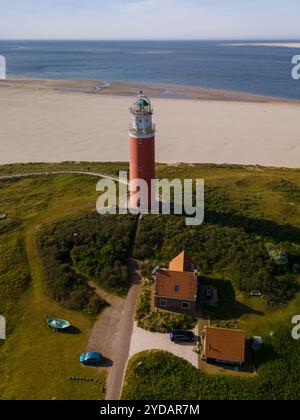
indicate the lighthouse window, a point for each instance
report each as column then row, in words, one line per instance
column 140, row 141
column 140, row 169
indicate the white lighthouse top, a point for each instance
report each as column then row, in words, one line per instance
column 142, row 106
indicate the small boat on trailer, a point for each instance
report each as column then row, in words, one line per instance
column 58, row 324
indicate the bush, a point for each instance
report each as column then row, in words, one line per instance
column 9, row 225
column 284, row 288
column 166, row 322
column 231, row 324
column 143, row 307
column 227, row 252
column 95, row 305
column 93, row 245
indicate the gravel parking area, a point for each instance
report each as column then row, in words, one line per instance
column 142, row 340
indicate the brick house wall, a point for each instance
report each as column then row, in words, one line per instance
column 178, row 305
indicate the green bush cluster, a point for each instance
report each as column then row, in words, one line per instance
column 8, row 225
column 287, row 186
column 143, row 305
column 89, row 246
column 228, row 252
column 231, row 324
column 165, row 322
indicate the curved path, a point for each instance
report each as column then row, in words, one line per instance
column 62, row 172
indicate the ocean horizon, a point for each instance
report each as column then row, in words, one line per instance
column 262, row 70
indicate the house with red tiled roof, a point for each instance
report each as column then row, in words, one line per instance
column 223, row 345
column 182, row 262
column 176, row 288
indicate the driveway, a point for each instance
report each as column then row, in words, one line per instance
column 142, row 340
column 105, row 330
column 112, row 333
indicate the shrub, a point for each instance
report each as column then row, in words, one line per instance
column 95, row 305
column 143, row 307
column 166, row 322
column 93, row 245
column 228, row 252
column 8, row 225
column 226, row 324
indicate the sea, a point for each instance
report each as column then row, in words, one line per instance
column 208, row 64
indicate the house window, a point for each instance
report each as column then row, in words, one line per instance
column 163, row 302
column 185, row 305
column 177, row 288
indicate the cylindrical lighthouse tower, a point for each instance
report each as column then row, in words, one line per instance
column 142, row 147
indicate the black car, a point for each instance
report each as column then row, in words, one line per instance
column 187, row 336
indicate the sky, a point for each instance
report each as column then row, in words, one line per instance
column 149, row 19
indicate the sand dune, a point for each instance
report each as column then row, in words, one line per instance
column 54, row 125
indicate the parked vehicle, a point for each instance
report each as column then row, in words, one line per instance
column 256, row 293
column 185, row 336
column 91, row 359
column 256, row 343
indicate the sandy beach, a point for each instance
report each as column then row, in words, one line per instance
column 52, row 121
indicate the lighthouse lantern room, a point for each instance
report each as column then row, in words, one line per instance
column 142, row 147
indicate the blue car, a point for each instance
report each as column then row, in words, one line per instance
column 91, row 359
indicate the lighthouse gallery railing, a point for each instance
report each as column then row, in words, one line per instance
column 135, row 130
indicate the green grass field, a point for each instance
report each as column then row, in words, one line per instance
column 36, row 363
column 251, row 314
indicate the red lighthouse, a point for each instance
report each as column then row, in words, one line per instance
column 142, row 148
